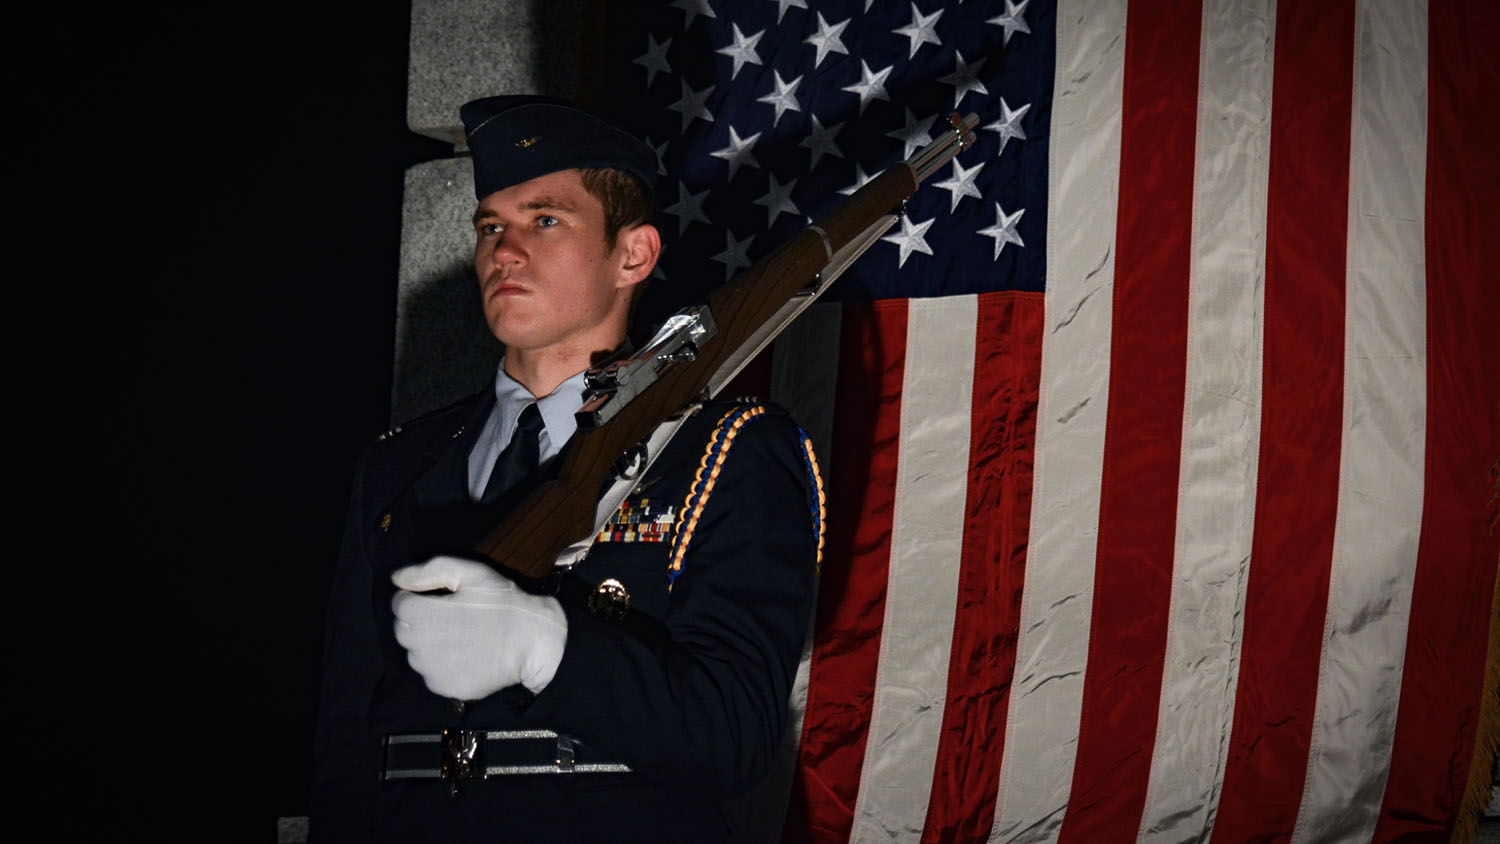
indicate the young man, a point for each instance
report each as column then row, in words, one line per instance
column 458, row 706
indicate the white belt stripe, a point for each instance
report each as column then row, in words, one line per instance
column 429, row 738
column 591, row 768
column 415, row 738
column 503, row 770
column 412, row 773
column 498, row 770
column 520, row 734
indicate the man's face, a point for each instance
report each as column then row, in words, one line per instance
column 547, row 279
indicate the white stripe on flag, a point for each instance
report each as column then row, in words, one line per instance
column 1221, row 420
column 1046, row 700
column 926, row 548
column 1380, row 487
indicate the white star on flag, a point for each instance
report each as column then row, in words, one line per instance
column 689, row 207
column 738, row 152
column 964, row 78
column 915, row 134
column 961, row 184
column 921, row 30
column 827, row 40
column 778, row 200
column 787, row 4
column 736, row 254
column 820, row 140
column 742, row 50
column 655, row 58
column 1004, row 229
column 693, row 105
column 860, row 180
column 694, row 8
column 661, row 152
column 1012, row 20
column 909, row 239
column 784, row 98
column 1009, row 124
column 871, row 86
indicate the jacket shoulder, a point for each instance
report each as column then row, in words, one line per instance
column 420, row 430
column 742, row 424
column 725, row 410
column 763, row 420
column 398, row 455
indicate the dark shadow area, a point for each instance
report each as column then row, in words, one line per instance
column 561, row 28
column 213, row 211
column 447, row 351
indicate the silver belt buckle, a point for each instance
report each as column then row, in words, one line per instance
column 565, row 747
column 462, row 759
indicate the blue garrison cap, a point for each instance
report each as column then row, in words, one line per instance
column 519, row 137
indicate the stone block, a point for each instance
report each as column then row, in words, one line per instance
column 444, row 351
column 463, row 49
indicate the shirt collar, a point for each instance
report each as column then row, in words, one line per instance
column 557, row 408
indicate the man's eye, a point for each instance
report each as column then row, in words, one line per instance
column 546, row 221
column 488, row 229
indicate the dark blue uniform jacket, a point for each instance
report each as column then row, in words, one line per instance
column 690, row 690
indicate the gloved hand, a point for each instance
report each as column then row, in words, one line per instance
column 484, row 635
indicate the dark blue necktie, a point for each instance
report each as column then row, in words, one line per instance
column 520, row 458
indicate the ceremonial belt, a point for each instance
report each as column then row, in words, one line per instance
column 455, row 755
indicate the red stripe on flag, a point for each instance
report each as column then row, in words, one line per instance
column 1443, row 676
column 1007, row 374
column 1302, row 408
column 851, row 590
column 1143, row 435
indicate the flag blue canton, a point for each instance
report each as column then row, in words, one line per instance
column 766, row 114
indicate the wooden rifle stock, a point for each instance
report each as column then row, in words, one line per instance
column 561, row 511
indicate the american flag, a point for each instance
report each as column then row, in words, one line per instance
column 1161, row 433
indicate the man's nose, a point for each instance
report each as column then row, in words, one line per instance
column 507, row 250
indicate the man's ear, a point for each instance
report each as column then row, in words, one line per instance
column 641, row 246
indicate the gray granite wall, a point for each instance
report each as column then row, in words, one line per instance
column 459, row 50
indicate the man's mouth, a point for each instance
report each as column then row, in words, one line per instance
column 503, row 287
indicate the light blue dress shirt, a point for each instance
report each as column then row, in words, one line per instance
column 557, row 409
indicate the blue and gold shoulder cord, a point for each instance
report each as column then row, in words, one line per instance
column 709, row 467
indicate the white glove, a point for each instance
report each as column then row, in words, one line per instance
column 485, row 635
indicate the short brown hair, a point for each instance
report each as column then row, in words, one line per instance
column 626, row 201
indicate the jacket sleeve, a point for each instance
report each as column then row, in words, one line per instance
column 346, row 760
column 701, row 703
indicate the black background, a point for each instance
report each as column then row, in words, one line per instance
column 202, row 330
